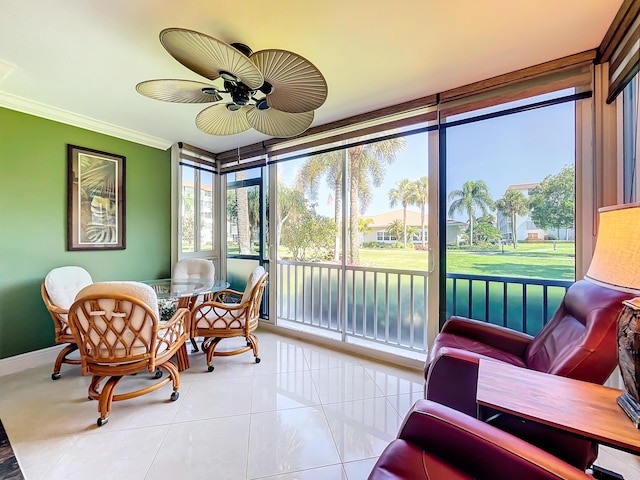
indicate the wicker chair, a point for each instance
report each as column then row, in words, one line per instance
column 59, row 290
column 230, row 314
column 116, row 328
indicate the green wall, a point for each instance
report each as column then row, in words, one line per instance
column 33, row 185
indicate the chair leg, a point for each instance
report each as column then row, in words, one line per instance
column 175, row 378
column 94, row 387
column 106, row 399
column 211, row 346
column 252, row 341
column 61, row 358
column 194, row 345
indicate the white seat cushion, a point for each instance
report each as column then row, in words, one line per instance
column 141, row 291
column 255, row 276
column 63, row 283
column 140, row 320
column 194, row 268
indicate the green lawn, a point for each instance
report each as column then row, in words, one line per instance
column 531, row 260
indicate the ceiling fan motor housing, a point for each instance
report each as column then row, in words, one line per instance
column 240, row 93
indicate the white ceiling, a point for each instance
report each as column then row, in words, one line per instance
column 79, row 61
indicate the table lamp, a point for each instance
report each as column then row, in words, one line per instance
column 616, row 264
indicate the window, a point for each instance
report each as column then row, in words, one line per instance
column 197, row 204
column 385, row 237
column 517, row 171
column 244, row 212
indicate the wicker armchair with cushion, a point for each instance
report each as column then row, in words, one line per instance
column 230, row 314
column 58, row 291
column 116, row 328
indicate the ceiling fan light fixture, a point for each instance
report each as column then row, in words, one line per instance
column 233, row 107
column 262, row 104
column 229, row 77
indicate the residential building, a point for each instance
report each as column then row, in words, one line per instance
column 526, row 229
column 378, row 228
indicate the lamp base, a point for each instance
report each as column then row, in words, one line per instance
column 631, row 407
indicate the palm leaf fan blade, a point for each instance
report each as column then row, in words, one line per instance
column 298, row 86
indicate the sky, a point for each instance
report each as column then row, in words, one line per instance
column 514, row 149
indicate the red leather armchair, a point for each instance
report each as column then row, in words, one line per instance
column 578, row 342
column 438, row 443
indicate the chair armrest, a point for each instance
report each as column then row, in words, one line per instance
column 496, row 336
column 177, row 316
column 177, row 326
column 452, row 379
column 58, row 310
column 479, row 448
column 227, row 295
column 224, row 306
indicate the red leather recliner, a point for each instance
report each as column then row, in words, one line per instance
column 578, row 342
column 438, row 443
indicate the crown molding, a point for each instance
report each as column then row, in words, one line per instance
column 31, row 107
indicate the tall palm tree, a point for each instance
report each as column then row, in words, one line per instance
column 329, row 166
column 367, row 167
column 474, row 195
column 512, row 204
column 421, row 199
column 244, row 237
column 404, row 194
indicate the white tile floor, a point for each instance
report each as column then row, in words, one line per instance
column 305, row 412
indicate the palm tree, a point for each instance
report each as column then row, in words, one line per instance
column 404, row 194
column 512, row 204
column 421, row 199
column 366, row 165
column 474, row 194
column 395, row 229
column 328, row 165
column 242, row 202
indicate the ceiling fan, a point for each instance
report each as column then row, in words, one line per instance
column 273, row 91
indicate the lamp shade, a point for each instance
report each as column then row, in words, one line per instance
column 616, row 264
column 616, row 259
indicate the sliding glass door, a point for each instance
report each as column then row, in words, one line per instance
column 351, row 240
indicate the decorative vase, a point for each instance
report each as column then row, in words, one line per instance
column 629, row 358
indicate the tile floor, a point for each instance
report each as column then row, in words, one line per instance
column 305, row 412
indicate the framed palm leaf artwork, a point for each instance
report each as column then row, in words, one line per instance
column 96, row 200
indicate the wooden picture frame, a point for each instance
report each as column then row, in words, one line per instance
column 95, row 200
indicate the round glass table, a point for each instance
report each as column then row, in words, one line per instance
column 185, row 288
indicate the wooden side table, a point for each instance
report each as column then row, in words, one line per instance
column 582, row 408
